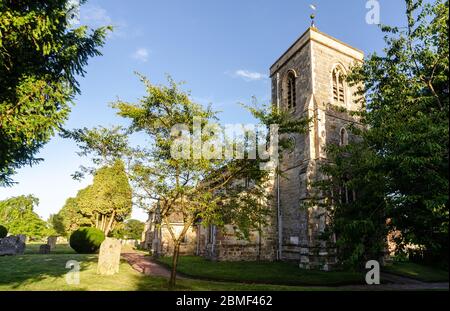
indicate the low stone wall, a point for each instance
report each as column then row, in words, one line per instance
column 245, row 252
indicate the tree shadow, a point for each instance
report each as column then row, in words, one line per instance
column 157, row 283
column 20, row 270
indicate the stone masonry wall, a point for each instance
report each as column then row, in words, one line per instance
column 313, row 58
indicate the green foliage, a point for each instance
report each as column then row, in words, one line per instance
column 107, row 201
column 56, row 222
column 3, row 232
column 69, row 218
column 188, row 188
column 87, row 240
column 18, row 215
column 399, row 169
column 104, row 145
column 359, row 225
column 196, row 188
column 41, row 55
column 131, row 229
column 105, row 204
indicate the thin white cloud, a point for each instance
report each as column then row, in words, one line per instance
column 249, row 75
column 141, row 55
column 95, row 16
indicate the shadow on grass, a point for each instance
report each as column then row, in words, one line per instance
column 145, row 283
column 20, row 270
column 269, row 273
column 33, row 248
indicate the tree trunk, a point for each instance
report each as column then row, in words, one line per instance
column 108, row 228
column 173, row 273
column 102, row 223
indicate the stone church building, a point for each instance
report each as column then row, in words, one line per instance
column 307, row 80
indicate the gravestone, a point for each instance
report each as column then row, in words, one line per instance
column 109, row 257
column 44, row 249
column 51, row 241
column 12, row 245
column 22, row 238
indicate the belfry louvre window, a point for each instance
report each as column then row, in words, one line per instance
column 338, row 86
column 291, row 92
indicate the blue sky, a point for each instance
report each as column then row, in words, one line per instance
column 222, row 49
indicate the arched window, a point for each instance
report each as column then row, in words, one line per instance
column 343, row 137
column 338, row 86
column 291, row 92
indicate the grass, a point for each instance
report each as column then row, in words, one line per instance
column 282, row 273
column 36, row 272
column 33, row 248
column 418, row 272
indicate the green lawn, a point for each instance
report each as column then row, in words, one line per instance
column 33, row 271
column 48, row 273
column 33, row 248
column 262, row 272
column 419, row 272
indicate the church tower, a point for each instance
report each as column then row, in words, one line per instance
column 308, row 80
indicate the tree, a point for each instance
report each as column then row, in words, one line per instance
column 354, row 197
column 399, row 168
column 191, row 188
column 197, row 187
column 105, row 204
column 131, row 229
column 108, row 200
column 69, row 218
column 103, row 145
column 41, row 55
column 56, row 222
column 18, row 216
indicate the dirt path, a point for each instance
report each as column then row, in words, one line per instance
column 146, row 265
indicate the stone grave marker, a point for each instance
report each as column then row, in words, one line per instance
column 51, row 241
column 109, row 257
column 12, row 245
column 44, row 249
column 22, row 238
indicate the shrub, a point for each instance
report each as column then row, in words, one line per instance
column 3, row 232
column 86, row 240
